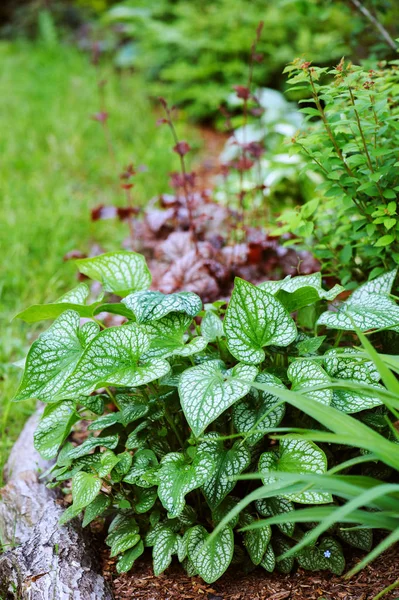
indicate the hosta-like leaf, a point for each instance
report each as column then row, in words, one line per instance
column 73, row 300
column 359, row 538
column 85, row 487
column 165, row 545
column 54, row 427
column 258, row 411
column 96, row 508
column 126, row 561
column 178, row 477
column 229, row 463
column 352, row 369
column 255, row 319
column 305, row 374
column 211, row 326
column 268, row 561
column 119, row 272
column 268, row 507
column 295, row 455
column 54, row 356
column 212, row 559
column 256, row 541
column 168, row 337
column 300, row 291
column 114, row 358
column 327, row 555
column 369, row 307
column 207, row 390
column 151, row 306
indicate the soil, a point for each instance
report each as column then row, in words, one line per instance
column 174, row 584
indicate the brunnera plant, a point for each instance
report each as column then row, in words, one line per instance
column 182, row 400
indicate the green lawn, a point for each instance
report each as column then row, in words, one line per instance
column 54, row 166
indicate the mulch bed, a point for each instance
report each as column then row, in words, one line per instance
column 174, row 584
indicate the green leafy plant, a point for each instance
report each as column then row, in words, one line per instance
column 184, row 400
column 352, row 222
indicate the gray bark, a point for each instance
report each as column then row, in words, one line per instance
column 43, row 561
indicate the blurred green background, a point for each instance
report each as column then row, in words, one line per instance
column 55, row 160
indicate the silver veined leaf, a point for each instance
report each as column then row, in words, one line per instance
column 305, row 374
column 122, row 538
column 258, row 411
column 108, row 461
column 211, row 326
column 126, row 561
column 114, row 358
column 72, row 300
column 120, row 272
column 178, row 477
column 85, row 488
column 144, row 499
column 223, row 509
column 96, row 508
column 168, row 337
column 165, row 545
column 256, row 541
column 212, row 559
column 54, row 427
column 144, row 461
column 368, row 307
column 150, row 306
column 229, row 463
column 359, row 538
column 207, row 390
column 295, row 455
column 326, row 555
column 268, row 561
column 54, row 356
column 84, row 449
column 355, row 370
column 268, row 507
column 280, row 546
column 255, row 319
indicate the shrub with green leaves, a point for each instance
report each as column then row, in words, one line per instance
column 183, row 400
column 352, row 223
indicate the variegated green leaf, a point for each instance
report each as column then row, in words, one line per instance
column 268, row 507
column 123, row 537
column 359, row 538
column 355, row 370
column 295, row 455
column 128, row 558
column 108, row 461
column 178, row 477
column 73, row 300
column 256, row 541
column 54, row 427
column 85, row 487
column 211, row 326
column 268, row 561
column 306, row 374
column 229, row 463
column 255, row 319
column 326, row 555
column 210, row 559
column 143, row 499
column 168, row 337
column 109, row 441
column 165, row 545
column 54, row 356
column 114, row 358
column 258, row 411
column 224, row 509
column 369, row 307
column 144, row 462
column 280, row 546
column 207, row 390
column 152, row 306
column 120, row 272
column 96, row 508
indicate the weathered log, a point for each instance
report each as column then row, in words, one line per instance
column 44, row 561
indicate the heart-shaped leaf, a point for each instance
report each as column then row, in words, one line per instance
column 165, row 545
column 125, row 535
column 207, row 390
column 85, row 487
column 359, row 538
column 280, row 546
column 114, row 358
column 300, row 291
column 229, row 463
column 268, row 561
column 210, row 559
column 54, row 427
column 126, row 561
column 168, row 337
column 327, row 555
column 257, row 540
column 178, row 477
column 306, row 374
column 295, row 455
column 369, row 307
column 119, row 272
column 255, row 319
column 152, row 306
column 96, row 508
column 355, row 370
column 144, row 462
column 258, row 411
column 211, row 326
column 268, row 507
column 73, row 300
column 143, row 499
column 54, row 356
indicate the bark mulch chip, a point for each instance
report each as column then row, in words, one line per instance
column 174, row 584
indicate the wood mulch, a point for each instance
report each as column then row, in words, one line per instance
column 174, row 584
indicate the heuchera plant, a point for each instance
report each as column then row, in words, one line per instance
column 175, row 417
